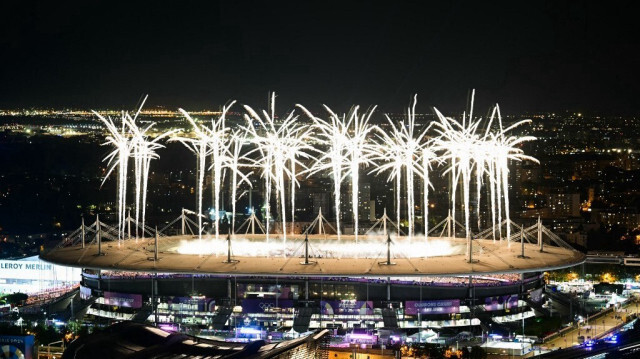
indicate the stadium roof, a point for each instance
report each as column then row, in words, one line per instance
column 489, row 257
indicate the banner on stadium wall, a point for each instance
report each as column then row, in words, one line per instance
column 266, row 305
column 85, row 292
column 432, row 307
column 123, row 300
column 501, row 302
column 346, row 307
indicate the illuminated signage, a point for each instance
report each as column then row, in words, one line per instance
column 432, row 307
column 123, row 299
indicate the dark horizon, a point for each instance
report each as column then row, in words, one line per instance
column 530, row 57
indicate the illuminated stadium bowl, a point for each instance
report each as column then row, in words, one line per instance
column 318, row 255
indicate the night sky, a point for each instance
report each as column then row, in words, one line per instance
column 529, row 56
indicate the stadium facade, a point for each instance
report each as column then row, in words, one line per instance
column 249, row 293
column 257, row 307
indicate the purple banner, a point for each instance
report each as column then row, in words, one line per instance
column 123, row 300
column 501, row 302
column 432, row 306
column 347, row 307
column 266, row 306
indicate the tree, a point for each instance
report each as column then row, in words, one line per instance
column 46, row 334
column 15, row 298
column 477, row 353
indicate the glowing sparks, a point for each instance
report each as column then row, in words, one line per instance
column 144, row 150
column 130, row 140
column 475, row 152
column 225, row 148
column 461, row 144
column 332, row 135
column 118, row 160
column 359, row 152
column 278, row 144
column 346, row 139
column 199, row 145
column 403, row 149
column 237, row 161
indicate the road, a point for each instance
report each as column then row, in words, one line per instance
column 628, row 345
column 597, row 327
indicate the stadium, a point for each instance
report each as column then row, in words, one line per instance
column 375, row 296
